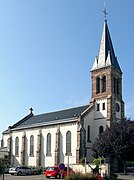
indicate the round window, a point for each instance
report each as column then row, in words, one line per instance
column 117, row 107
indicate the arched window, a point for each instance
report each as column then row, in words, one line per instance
column 88, row 134
column 68, row 143
column 48, row 144
column 16, row 146
column 116, row 86
column 97, row 85
column 101, row 129
column 104, row 84
column 31, row 145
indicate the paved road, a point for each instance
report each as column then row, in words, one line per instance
column 42, row 177
column 35, row 177
column 126, row 177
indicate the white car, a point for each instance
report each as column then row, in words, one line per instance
column 22, row 170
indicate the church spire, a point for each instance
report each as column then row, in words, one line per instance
column 106, row 55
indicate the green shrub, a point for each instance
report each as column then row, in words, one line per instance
column 98, row 160
column 44, row 169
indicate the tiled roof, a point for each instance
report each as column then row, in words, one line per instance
column 50, row 118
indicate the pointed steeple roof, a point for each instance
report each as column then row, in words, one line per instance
column 106, row 55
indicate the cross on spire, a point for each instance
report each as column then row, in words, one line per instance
column 31, row 110
column 105, row 11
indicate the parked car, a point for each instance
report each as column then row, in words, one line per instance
column 53, row 171
column 22, row 170
column 130, row 168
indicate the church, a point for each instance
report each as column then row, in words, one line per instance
column 56, row 137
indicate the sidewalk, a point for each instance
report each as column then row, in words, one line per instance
column 125, row 177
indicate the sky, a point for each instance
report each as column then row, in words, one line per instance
column 47, row 49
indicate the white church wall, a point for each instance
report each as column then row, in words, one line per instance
column 89, row 121
column 99, row 117
column 16, row 158
column 5, row 138
column 31, row 159
column 94, row 124
column 102, row 112
column 73, row 129
column 64, row 128
column 89, row 155
column 45, row 160
column 48, row 160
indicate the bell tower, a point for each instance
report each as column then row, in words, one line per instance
column 107, row 82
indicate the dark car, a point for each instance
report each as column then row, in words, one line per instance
column 22, row 170
column 53, row 171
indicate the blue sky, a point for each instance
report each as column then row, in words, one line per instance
column 47, row 48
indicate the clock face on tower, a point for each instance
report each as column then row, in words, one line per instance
column 117, row 107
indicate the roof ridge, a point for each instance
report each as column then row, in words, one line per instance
column 22, row 120
column 62, row 110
